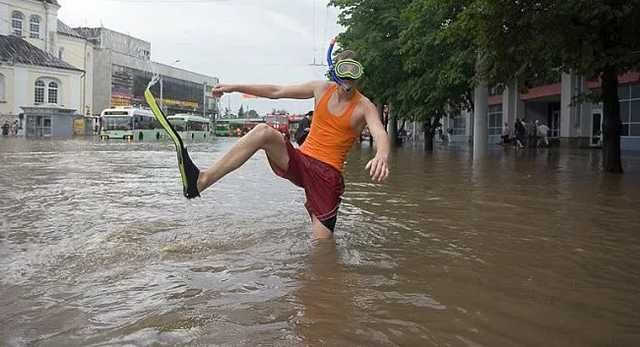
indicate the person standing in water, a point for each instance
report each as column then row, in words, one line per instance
column 340, row 114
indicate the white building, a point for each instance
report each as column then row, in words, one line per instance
column 79, row 52
column 37, row 89
column 86, row 69
column 34, row 20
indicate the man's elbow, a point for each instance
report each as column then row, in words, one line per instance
column 379, row 135
column 274, row 92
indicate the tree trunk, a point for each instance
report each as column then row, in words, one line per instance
column 430, row 126
column 428, row 139
column 612, row 125
column 393, row 127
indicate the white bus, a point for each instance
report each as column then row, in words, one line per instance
column 191, row 127
column 129, row 123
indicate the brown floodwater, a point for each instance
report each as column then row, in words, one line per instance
column 99, row 248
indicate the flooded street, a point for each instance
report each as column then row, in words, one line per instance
column 99, row 248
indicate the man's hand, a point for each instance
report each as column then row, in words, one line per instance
column 220, row 89
column 378, row 168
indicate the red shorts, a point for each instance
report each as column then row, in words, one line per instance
column 323, row 184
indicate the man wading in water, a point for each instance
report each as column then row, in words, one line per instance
column 340, row 114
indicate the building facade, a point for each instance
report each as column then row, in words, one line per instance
column 122, row 68
column 84, row 71
column 38, row 91
column 570, row 120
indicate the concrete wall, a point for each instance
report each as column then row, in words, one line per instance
column 102, row 70
column 6, row 105
column 5, row 18
column 62, row 126
column 48, row 21
column 79, row 53
column 125, row 44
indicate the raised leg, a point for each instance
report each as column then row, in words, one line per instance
column 261, row 137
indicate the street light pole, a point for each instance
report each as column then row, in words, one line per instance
column 161, row 94
column 204, row 99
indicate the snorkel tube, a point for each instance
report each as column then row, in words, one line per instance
column 332, row 68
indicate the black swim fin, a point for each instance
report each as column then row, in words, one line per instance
column 190, row 173
column 188, row 170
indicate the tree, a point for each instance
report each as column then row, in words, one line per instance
column 241, row 112
column 439, row 62
column 594, row 38
column 373, row 31
column 414, row 59
column 252, row 114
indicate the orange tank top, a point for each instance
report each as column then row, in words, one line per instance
column 331, row 136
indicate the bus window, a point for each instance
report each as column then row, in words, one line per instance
column 196, row 126
column 116, row 123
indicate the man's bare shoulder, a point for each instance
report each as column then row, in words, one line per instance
column 365, row 105
column 320, row 86
column 364, row 101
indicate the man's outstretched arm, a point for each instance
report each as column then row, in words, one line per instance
column 298, row 91
column 378, row 166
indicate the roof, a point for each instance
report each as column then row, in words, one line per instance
column 66, row 30
column 53, row 2
column 16, row 50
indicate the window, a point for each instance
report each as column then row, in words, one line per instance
column 494, row 117
column 39, row 95
column 1, row 87
column 46, row 90
column 459, row 125
column 34, row 26
column 61, row 53
column 16, row 23
column 630, row 110
column 53, row 93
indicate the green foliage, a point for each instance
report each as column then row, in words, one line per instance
column 413, row 58
column 526, row 38
column 241, row 112
column 252, row 114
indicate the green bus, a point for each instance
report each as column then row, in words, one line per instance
column 222, row 128
column 129, row 123
column 190, row 127
column 235, row 126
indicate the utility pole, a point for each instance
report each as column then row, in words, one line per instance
column 161, row 94
column 204, row 99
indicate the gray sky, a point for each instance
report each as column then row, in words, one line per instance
column 239, row 41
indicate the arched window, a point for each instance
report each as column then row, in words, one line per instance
column 34, row 27
column 47, row 91
column 53, row 93
column 39, row 95
column 1, row 87
column 16, row 23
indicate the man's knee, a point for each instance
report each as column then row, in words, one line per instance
column 265, row 133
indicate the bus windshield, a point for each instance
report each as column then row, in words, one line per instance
column 116, row 123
